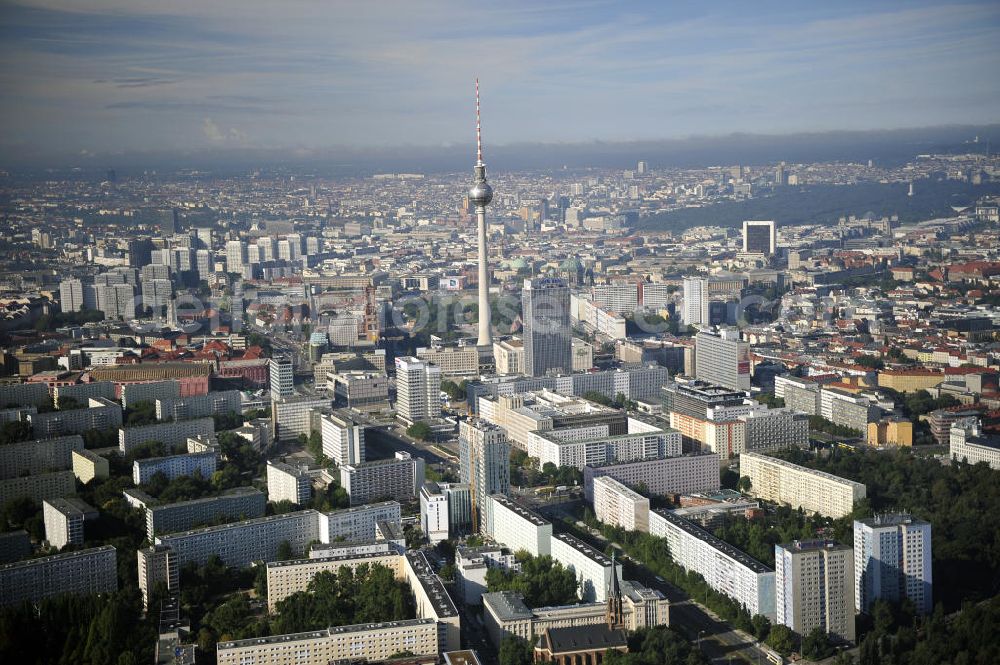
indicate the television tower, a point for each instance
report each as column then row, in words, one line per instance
column 480, row 196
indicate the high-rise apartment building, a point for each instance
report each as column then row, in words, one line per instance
column 892, row 561
column 282, row 378
column 759, row 237
column 64, row 518
column 343, row 439
column 484, row 454
column 812, row 581
column 399, row 478
column 288, row 483
column 236, row 256
column 71, row 295
column 723, row 359
column 548, row 343
column 696, row 302
column 418, row 389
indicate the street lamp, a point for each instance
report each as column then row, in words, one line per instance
column 700, row 633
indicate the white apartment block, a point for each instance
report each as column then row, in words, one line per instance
column 100, row 414
column 88, row 465
column 288, row 483
column 591, row 568
column 64, row 518
column 199, row 406
column 462, row 361
column 814, row 582
column 133, row 393
column 374, row 642
column 399, row 478
column 237, row 503
column 813, row 491
column 241, row 543
column 594, row 445
column 418, row 389
column 723, row 359
column 82, row 392
column 173, row 435
column 32, row 457
column 725, row 568
column 509, row 357
column 88, row 571
column 174, row 466
column 517, row 528
column 434, row 513
column 968, row 443
column 343, row 439
column 663, row 475
column 293, row 416
column 156, row 564
column 38, row 487
column 471, row 564
column 484, row 458
column 617, row 505
column 892, row 561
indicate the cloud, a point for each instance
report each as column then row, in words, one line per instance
column 392, row 72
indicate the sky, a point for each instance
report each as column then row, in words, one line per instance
column 83, row 77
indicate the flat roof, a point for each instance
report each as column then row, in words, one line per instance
column 732, row 552
column 529, row 515
column 507, row 605
column 330, row 559
column 77, row 554
column 796, row 467
column 319, row 634
column 432, row 584
column 591, row 553
column 892, row 519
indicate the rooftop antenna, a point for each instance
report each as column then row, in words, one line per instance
column 479, row 134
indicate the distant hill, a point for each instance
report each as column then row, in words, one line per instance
column 825, row 204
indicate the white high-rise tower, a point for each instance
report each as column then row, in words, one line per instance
column 480, row 196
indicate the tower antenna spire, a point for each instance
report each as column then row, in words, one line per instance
column 479, row 133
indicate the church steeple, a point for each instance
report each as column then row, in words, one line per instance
column 614, row 613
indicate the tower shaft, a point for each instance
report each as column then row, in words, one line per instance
column 485, row 335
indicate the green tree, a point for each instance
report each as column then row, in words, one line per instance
column 515, row 650
column 761, row 626
column 285, row 551
column 816, row 645
column 419, row 430
column 781, row 639
column 542, row 581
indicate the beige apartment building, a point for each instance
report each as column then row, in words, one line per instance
column 779, row 481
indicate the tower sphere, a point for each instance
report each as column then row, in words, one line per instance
column 480, row 194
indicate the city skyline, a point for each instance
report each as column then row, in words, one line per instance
column 107, row 76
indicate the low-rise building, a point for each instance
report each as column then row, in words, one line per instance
column 970, row 444
column 471, row 564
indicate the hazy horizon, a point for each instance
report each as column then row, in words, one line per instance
column 133, row 77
